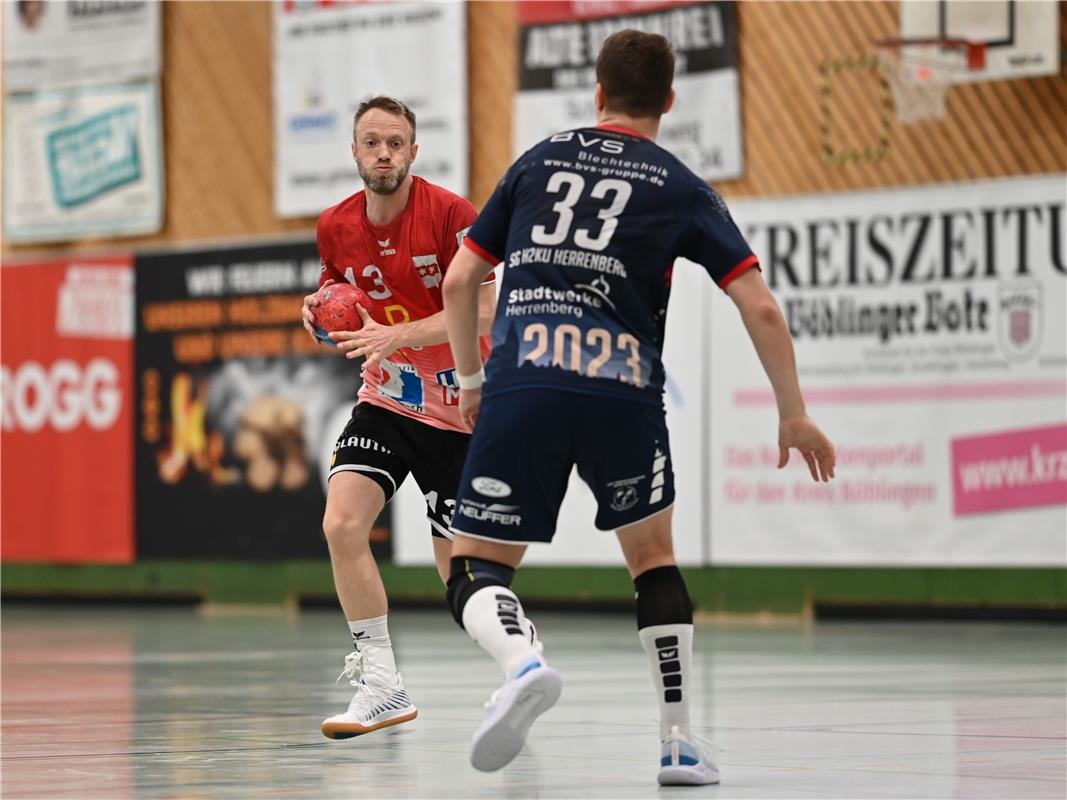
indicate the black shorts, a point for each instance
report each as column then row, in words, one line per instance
column 385, row 447
column 525, row 445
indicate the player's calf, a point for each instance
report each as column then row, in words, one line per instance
column 485, row 606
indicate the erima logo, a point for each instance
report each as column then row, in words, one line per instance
column 670, row 668
column 507, row 609
column 386, row 249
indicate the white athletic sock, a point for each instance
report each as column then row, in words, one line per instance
column 374, row 633
column 493, row 617
column 670, row 657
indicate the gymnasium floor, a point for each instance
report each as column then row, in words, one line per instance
column 175, row 703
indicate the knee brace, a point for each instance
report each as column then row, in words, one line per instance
column 468, row 576
column 662, row 598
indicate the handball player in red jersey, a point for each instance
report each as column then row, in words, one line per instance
column 393, row 240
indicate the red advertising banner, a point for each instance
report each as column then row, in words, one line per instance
column 66, row 451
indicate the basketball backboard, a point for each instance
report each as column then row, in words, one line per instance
column 1021, row 36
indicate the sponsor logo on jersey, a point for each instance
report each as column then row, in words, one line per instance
column 446, row 379
column 612, row 146
column 401, row 382
column 624, row 498
column 624, row 492
column 461, row 235
column 386, row 249
column 490, row 487
column 494, row 512
column 361, row 442
column 600, row 287
column 428, row 269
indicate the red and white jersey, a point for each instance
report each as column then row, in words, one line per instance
column 401, row 266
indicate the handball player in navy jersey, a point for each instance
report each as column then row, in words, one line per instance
column 588, row 224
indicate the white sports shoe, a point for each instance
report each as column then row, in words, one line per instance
column 380, row 699
column 683, row 763
column 512, row 710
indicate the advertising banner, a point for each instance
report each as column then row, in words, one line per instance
column 330, row 57
column 559, row 42
column 79, row 162
column 66, row 387
column 49, row 44
column 929, row 325
column 237, row 408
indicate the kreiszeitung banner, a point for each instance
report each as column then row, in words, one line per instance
column 328, row 58
column 558, row 45
column 929, row 325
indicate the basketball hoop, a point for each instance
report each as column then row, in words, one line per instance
column 920, row 71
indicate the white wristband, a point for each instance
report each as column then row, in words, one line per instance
column 474, row 381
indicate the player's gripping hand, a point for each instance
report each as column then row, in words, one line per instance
column 306, row 313
column 470, row 402
column 372, row 342
column 804, row 435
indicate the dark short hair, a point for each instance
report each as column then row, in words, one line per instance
column 636, row 70
column 388, row 104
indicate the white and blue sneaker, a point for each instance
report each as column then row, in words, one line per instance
column 683, row 763
column 380, row 700
column 533, row 690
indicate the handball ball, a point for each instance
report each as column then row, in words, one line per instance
column 337, row 310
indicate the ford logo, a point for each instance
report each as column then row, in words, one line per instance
column 490, row 487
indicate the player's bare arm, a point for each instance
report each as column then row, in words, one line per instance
column 375, row 341
column 769, row 333
column 462, row 302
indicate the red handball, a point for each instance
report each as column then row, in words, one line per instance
column 337, row 310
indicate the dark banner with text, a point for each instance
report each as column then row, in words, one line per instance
column 237, row 408
column 559, row 42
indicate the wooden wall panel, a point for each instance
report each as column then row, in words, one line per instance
column 219, row 134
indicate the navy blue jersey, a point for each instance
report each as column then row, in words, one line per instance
column 588, row 224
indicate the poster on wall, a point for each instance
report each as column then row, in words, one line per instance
column 85, row 161
column 929, row 326
column 66, row 386
column 559, row 41
column 49, row 44
column 329, row 57
column 237, row 408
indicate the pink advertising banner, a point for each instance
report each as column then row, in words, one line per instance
column 1016, row 469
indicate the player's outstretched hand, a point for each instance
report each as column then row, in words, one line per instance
column 470, row 401
column 804, row 435
column 373, row 341
column 306, row 313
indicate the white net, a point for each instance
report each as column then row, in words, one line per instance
column 920, row 75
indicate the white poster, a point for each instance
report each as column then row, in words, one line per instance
column 929, row 325
column 328, row 58
column 85, row 161
column 558, row 46
column 52, row 44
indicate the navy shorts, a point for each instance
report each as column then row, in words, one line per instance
column 525, row 445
